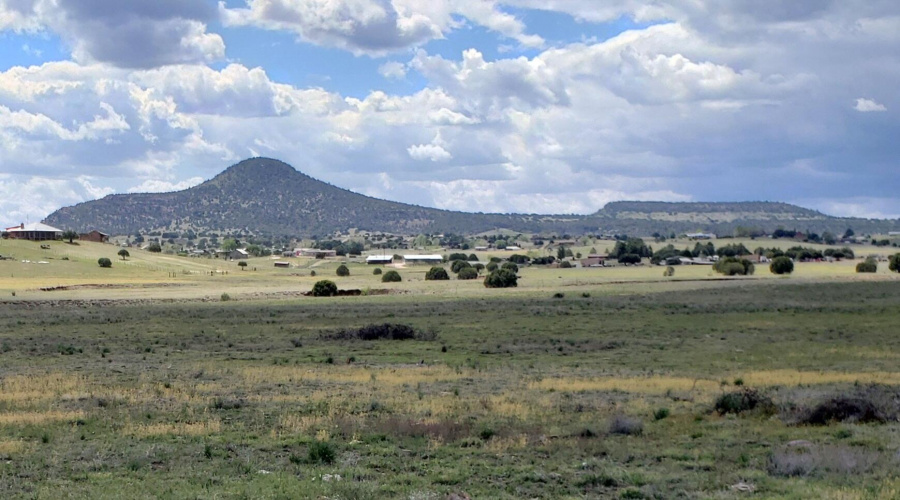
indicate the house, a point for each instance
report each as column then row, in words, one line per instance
column 481, row 249
column 35, row 231
column 423, row 259
column 379, row 259
column 314, row 253
column 701, row 236
column 594, row 260
column 239, row 254
column 283, row 264
column 513, row 248
column 95, row 236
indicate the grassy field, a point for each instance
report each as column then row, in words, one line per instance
column 150, row 386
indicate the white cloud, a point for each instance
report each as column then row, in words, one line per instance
column 126, row 33
column 376, row 27
column 868, row 106
column 393, row 69
column 431, row 152
column 161, row 186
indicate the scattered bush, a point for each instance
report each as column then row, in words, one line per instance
column 457, row 256
column 626, row 426
column 669, row 272
column 510, row 266
column 225, row 297
column 473, row 258
column 437, row 274
column 478, row 267
column 732, row 266
column 321, row 452
column 491, row 267
column 844, row 409
column 104, row 262
column 894, row 264
column 501, row 278
column 386, row 331
column 802, row 458
column 377, row 271
column 154, row 247
column 565, row 265
column 782, row 265
column 630, row 258
column 391, row 277
column 869, row 265
column 459, row 265
column 468, row 273
column 559, row 295
column 661, row 414
column 343, row 271
column 744, row 401
column 324, row 288
column 312, row 273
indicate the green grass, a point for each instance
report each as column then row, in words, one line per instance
column 514, row 399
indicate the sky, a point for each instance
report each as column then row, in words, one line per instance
column 535, row 106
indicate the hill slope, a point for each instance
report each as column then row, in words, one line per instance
column 265, row 196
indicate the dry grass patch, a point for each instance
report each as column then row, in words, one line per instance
column 36, row 388
column 11, row 447
column 175, row 429
column 37, row 418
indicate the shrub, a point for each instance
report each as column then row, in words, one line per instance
column 565, row 265
column 473, row 258
column 856, row 409
column 669, row 272
column 743, row 401
column 559, row 295
column 510, row 266
column 437, row 274
column 519, row 259
column 321, row 453
column 630, row 258
column 391, row 277
column 626, row 426
column 732, row 266
column 895, row 263
column 457, row 256
column 502, row 278
column 225, row 297
column 661, row 414
column 342, row 270
column 324, row 288
column 459, row 265
column 468, row 273
column 782, row 265
column 377, row 271
column 869, row 265
column 104, row 262
column 312, row 273
column 478, row 267
column 491, row 267
column 496, row 260
column 386, row 331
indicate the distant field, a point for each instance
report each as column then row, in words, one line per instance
column 140, row 381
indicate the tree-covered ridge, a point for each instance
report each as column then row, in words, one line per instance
column 268, row 197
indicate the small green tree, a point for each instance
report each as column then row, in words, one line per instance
column 565, row 265
column 324, row 288
column 501, row 278
column 869, row 265
column 510, row 266
column 468, row 273
column 377, row 271
column 561, row 252
column 492, row 266
column 343, row 271
column 782, row 265
column 473, row 258
column 242, row 264
column 124, row 254
column 69, row 235
column 104, row 262
column 894, row 264
column 459, row 265
column 154, row 247
column 437, row 274
column 391, row 277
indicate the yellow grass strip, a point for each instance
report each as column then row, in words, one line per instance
column 34, row 418
column 36, row 388
column 11, row 447
column 175, row 429
column 663, row 384
column 255, row 375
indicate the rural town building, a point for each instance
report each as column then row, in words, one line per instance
column 594, row 260
column 95, row 236
column 239, row 254
column 379, row 259
column 35, row 231
column 701, row 236
column 283, row 264
column 314, row 253
column 423, row 259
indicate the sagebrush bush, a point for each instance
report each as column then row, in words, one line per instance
column 377, row 271
column 469, row 273
column 501, row 278
column 104, row 262
column 343, row 270
column 437, row 274
column 324, row 288
column 391, row 277
column 626, row 426
column 321, row 452
column 782, row 265
column 744, row 401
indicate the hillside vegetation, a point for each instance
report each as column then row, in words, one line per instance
column 266, row 196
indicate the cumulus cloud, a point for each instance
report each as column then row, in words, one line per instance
column 126, row 33
column 376, row 27
column 393, row 70
column 161, row 186
column 431, row 152
column 868, row 106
